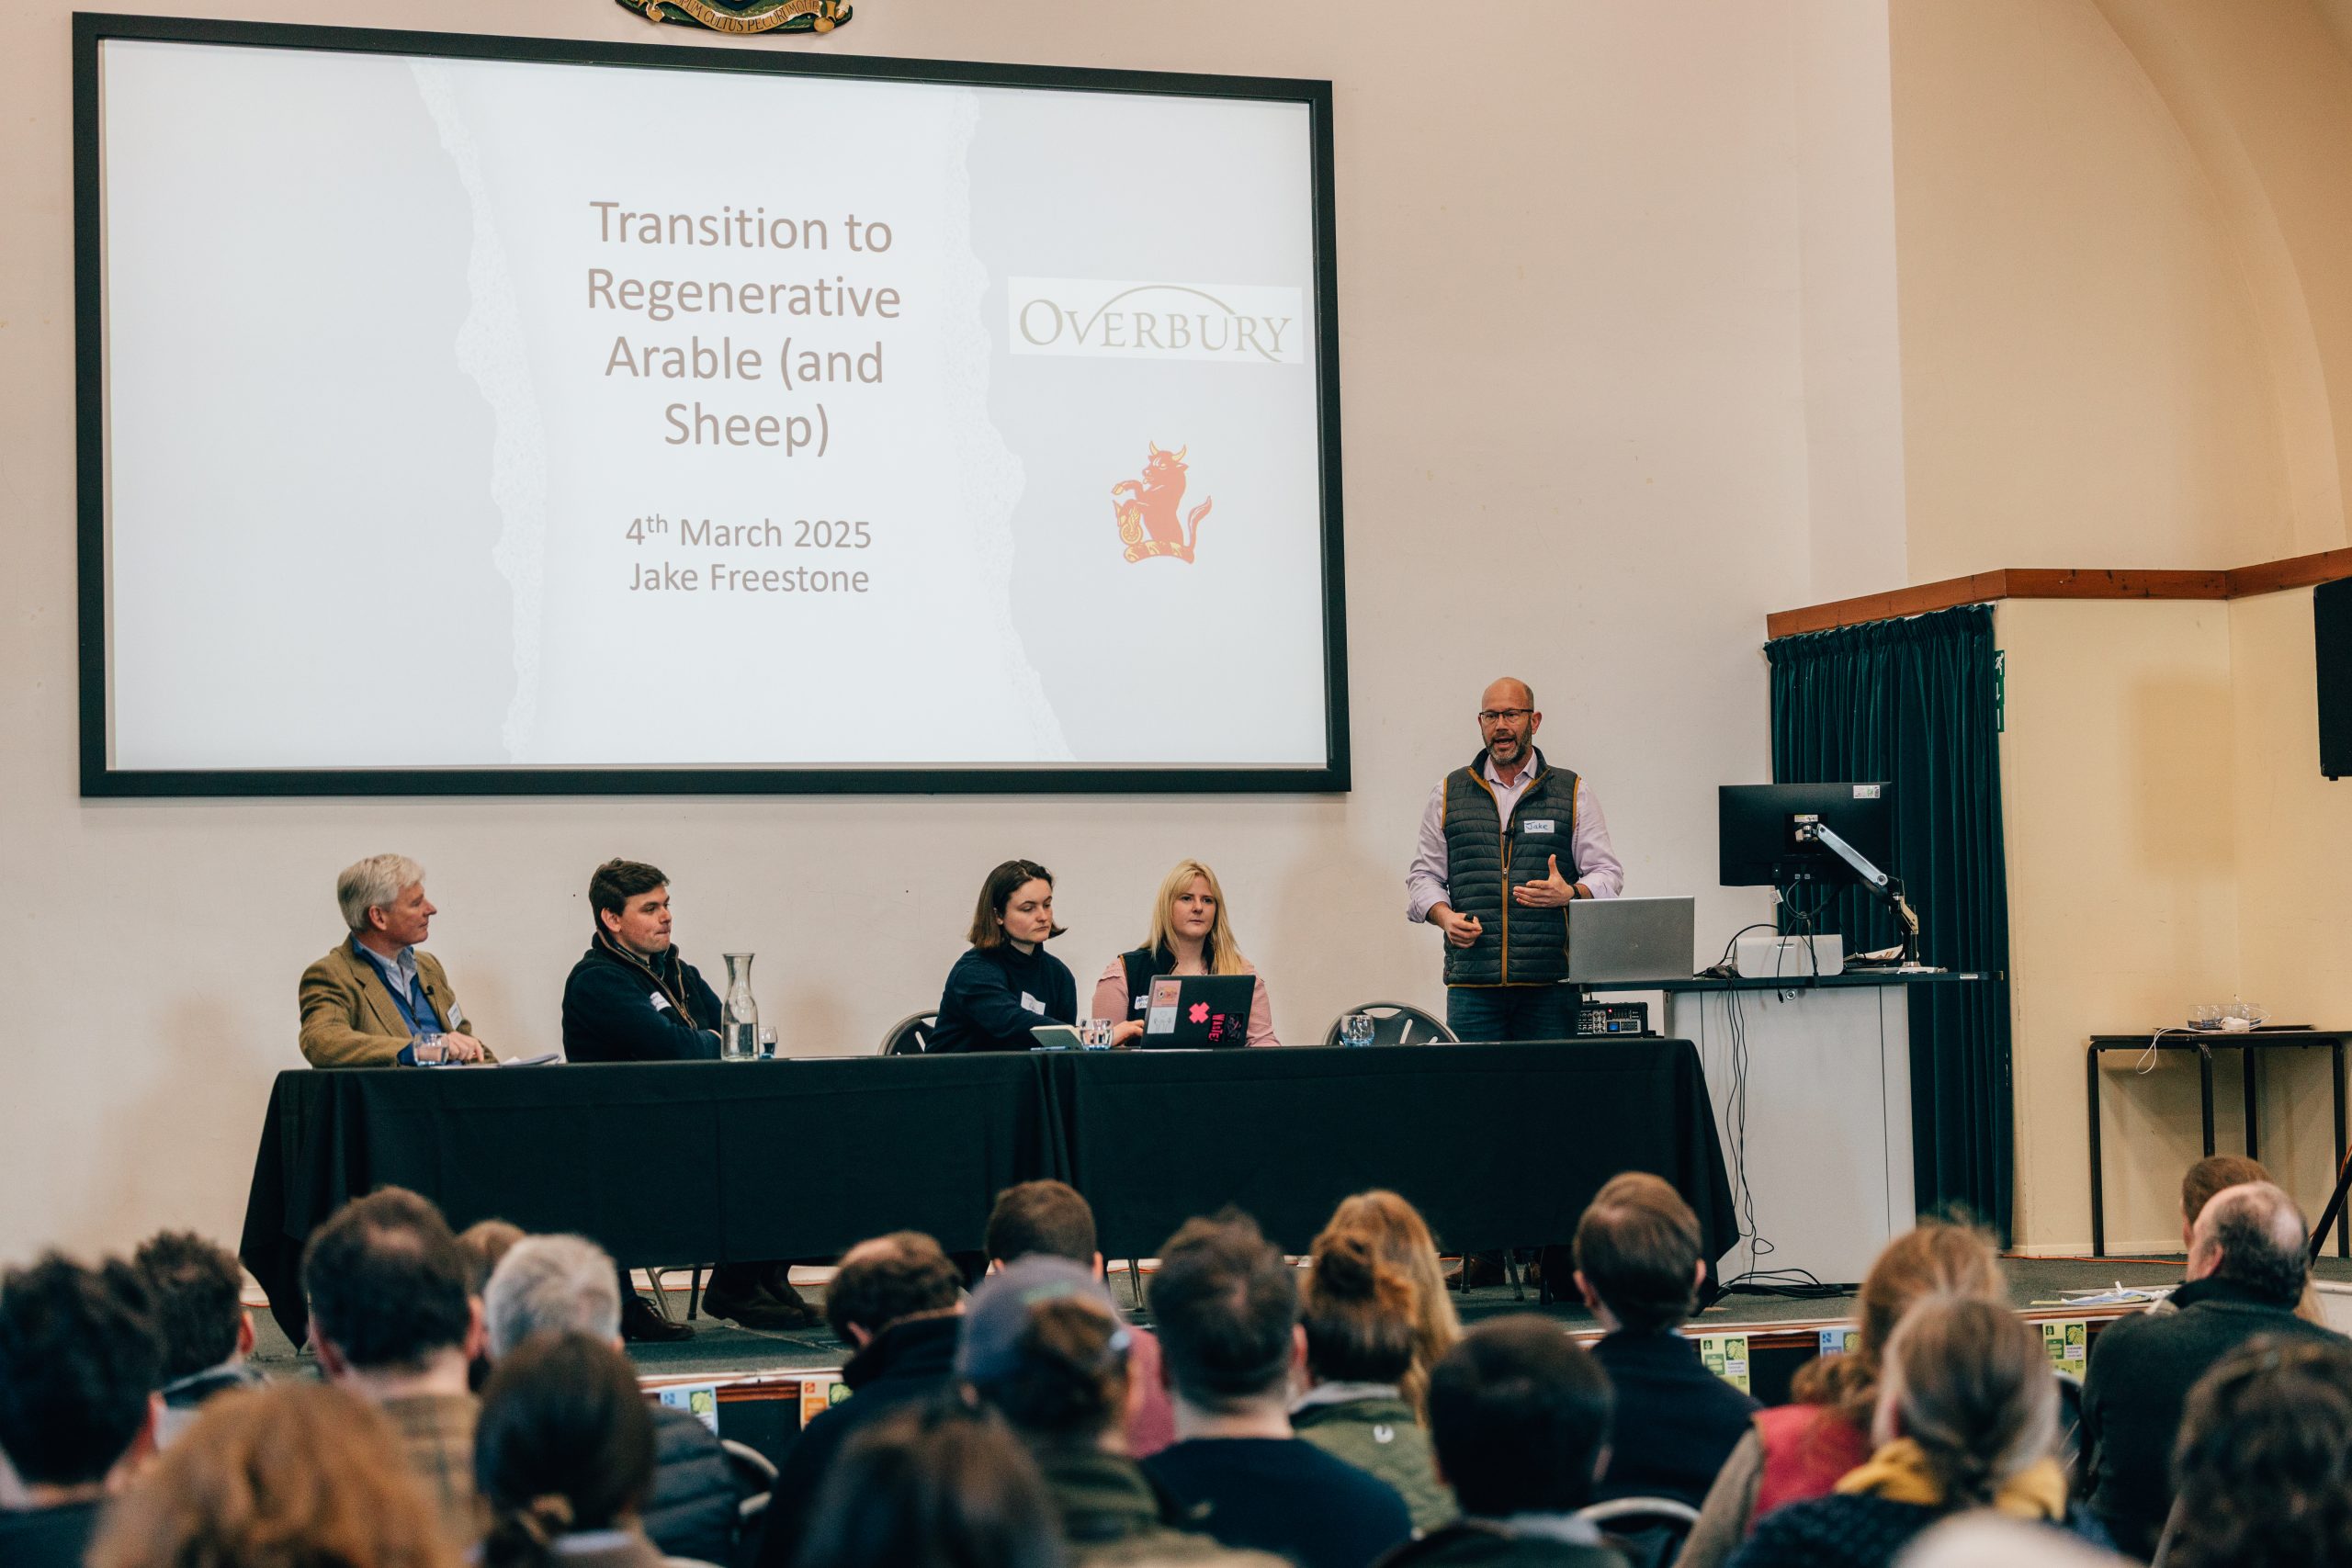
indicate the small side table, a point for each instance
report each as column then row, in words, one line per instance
column 2205, row 1042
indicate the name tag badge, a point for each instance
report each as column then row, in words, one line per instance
column 1031, row 1003
column 1142, row 1002
column 457, row 1018
column 661, row 1003
column 1542, row 826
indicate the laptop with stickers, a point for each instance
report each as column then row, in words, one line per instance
column 1198, row 1013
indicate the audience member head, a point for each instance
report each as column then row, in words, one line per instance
column 2208, row 1176
column 1042, row 1342
column 547, row 1283
column 1226, row 1306
column 1357, row 1309
column 1933, row 1259
column 80, row 1360
column 1519, row 1416
column 631, row 903
column 1403, row 1237
column 1191, row 906
column 942, row 1483
column 887, row 1281
column 2263, row 1464
column 1638, row 1254
column 295, row 1474
column 1968, row 1381
column 1049, row 1217
column 197, row 1289
column 2252, row 1235
column 383, row 900
column 387, row 1289
column 1983, row 1538
column 565, row 1443
column 484, row 1243
column 1016, row 904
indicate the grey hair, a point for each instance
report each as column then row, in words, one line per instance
column 553, row 1282
column 2260, row 1234
column 373, row 883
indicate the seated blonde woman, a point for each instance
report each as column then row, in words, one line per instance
column 1190, row 935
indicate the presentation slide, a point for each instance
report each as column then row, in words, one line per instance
column 473, row 414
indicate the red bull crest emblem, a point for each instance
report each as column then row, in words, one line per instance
column 1146, row 509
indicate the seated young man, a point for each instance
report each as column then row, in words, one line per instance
column 207, row 1331
column 80, row 1360
column 1519, row 1415
column 1638, row 1267
column 1228, row 1309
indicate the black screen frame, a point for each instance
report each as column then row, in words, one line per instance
column 101, row 779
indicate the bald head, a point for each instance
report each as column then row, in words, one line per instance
column 1508, row 721
column 2251, row 1235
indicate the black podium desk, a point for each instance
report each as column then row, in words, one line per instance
column 680, row 1162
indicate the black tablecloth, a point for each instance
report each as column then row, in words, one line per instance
column 678, row 1162
column 660, row 1162
column 1497, row 1146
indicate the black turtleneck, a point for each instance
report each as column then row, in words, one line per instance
column 618, row 1007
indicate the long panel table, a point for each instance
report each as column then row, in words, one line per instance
column 671, row 1163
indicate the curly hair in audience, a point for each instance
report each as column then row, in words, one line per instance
column 2264, row 1459
column 294, row 1474
column 1403, row 1237
column 198, row 1292
column 1968, row 1381
column 1073, row 1382
column 941, row 1484
column 889, row 1279
column 1935, row 1258
column 79, row 1355
column 1359, row 1313
column 565, row 1443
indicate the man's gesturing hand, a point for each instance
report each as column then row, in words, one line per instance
column 1460, row 931
column 1548, row 892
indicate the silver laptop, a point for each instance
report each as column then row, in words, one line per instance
column 1612, row 941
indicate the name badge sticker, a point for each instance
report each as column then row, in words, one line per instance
column 1143, row 1002
column 1031, row 1003
column 661, row 1003
column 1541, row 825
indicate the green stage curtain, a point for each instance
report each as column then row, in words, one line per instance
column 1914, row 703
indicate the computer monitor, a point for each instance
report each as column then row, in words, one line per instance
column 1756, row 832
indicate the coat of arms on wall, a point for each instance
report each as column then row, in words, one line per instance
column 746, row 17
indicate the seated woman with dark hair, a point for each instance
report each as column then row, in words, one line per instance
column 1190, row 935
column 1007, row 983
column 563, row 1456
column 2265, row 1460
column 1967, row 1419
column 941, row 1484
column 1357, row 1309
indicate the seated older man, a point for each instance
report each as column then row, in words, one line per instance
column 372, row 997
column 2246, row 1265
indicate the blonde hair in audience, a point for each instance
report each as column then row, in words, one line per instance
column 293, row 1474
column 1396, row 1229
column 1219, row 952
column 1936, row 1258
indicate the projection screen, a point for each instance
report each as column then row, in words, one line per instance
column 485, row 415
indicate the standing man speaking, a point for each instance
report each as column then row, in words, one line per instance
column 1507, row 845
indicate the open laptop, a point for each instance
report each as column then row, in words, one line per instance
column 1617, row 940
column 1198, row 1013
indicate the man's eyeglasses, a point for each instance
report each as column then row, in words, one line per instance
column 1497, row 715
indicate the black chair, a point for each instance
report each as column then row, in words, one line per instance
column 1649, row 1531
column 1396, row 1023
column 910, row 1036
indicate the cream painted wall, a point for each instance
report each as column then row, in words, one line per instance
column 2115, row 785
column 1606, row 301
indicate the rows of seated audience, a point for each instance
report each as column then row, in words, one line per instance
column 473, row 1405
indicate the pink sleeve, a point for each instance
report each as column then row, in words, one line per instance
column 1261, row 1017
column 1111, row 993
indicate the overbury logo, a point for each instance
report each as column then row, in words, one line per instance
column 1147, row 514
column 1097, row 319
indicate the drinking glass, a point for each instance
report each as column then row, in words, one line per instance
column 1356, row 1029
column 429, row 1050
column 767, row 1042
column 1094, row 1034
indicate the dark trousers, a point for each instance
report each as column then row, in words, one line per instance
column 1512, row 1012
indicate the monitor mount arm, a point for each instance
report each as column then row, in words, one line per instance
column 1877, row 881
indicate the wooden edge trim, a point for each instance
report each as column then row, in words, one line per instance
column 2061, row 582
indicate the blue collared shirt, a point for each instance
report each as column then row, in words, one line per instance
column 407, row 986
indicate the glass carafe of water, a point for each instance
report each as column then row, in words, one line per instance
column 739, row 1030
